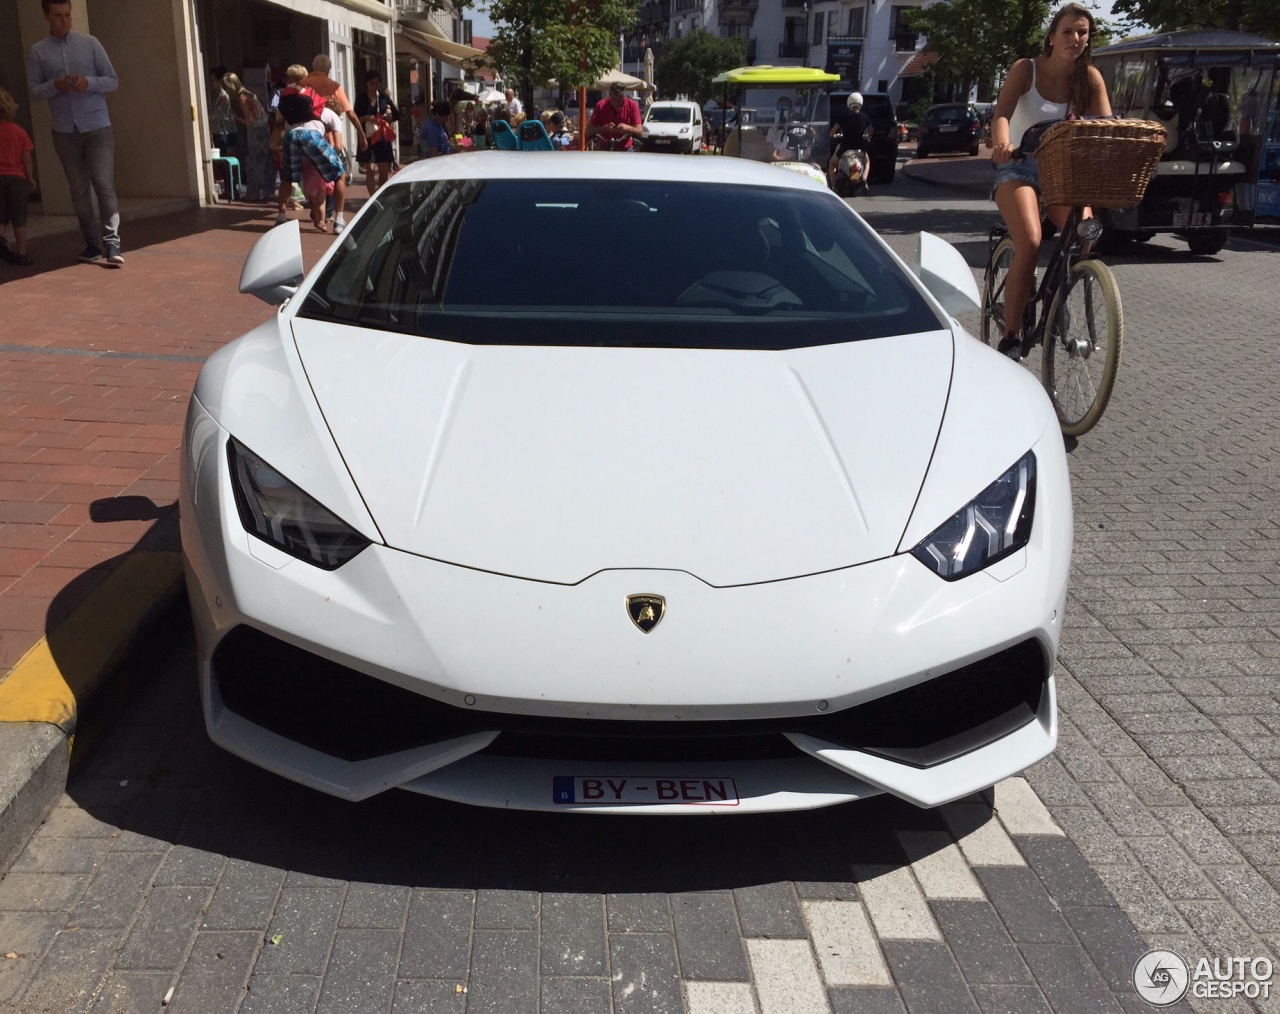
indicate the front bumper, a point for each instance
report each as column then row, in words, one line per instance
column 506, row 654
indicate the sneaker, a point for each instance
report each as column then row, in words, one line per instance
column 339, row 224
column 281, row 218
column 1011, row 346
column 114, row 260
column 7, row 252
column 22, row 260
column 91, row 255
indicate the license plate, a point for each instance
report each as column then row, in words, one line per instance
column 1192, row 221
column 948, row 128
column 662, row 140
column 633, row 790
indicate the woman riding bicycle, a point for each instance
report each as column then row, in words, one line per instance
column 1061, row 80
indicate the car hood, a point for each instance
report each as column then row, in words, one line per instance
column 554, row 463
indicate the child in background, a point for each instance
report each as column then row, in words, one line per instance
column 311, row 160
column 17, row 176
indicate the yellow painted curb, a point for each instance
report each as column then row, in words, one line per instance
column 68, row 665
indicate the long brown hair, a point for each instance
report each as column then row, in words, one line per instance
column 1078, row 87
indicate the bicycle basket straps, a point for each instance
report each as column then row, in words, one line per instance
column 1099, row 163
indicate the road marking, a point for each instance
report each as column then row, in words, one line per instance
column 846, row 947
column 67, row 666
column 982, row 839
column 895, row 904
column 1020, row 809
column 939, row 866
column 719, row 998
column 787, row 977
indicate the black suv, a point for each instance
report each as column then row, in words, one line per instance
column 826, row 109
column 949, row 126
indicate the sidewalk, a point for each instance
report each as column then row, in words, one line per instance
column 96, row 366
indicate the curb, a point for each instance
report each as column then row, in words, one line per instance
column 41, row 697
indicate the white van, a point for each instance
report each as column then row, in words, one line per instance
column 672, row 126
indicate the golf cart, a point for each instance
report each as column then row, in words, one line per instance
column 787, row 141
column 1212, row 90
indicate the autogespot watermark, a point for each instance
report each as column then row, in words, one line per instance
column 1163, row 978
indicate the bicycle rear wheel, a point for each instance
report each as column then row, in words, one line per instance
column 993, row 292
column 1082, row 346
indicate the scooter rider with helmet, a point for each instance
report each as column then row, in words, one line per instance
column 854, row 129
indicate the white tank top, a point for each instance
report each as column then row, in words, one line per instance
column 1031, row 109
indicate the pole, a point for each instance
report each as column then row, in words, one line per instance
column 582, row 118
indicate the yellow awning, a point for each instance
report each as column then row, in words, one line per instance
column 764, row 75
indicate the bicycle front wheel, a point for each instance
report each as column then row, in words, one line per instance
column 1082, row 347
column 993, row 292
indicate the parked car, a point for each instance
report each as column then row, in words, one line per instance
column 758, row 527
column 825, row 110
column 949, row 127
column 673, row 127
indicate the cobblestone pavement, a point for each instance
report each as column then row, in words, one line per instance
column 172, row 865
column 1166, row 773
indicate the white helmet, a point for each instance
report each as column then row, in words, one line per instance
column 854, row 101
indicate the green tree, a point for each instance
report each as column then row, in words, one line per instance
column 572, row 41
column 977, row 40
column 1261, row 17
column 688, row 64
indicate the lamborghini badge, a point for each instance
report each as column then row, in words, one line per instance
column 646, row 611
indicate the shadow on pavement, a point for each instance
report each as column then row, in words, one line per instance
column 157, row 776
column 51, row 253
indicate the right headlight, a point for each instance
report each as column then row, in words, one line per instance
column 992, row 525
column 276, row 511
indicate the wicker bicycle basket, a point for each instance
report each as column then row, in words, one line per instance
column 1098, row 163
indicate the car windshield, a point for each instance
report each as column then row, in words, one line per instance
column 613, row 262
column 668, row 114
column 949, row 114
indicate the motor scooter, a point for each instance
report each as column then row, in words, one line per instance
column 851, row 171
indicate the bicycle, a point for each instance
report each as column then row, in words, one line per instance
column 1082, row 326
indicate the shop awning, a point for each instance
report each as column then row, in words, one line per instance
column 420, row 44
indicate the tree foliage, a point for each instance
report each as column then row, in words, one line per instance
column 977, row 40
column 688, row 64
column 1261, row 17
column 572, row 41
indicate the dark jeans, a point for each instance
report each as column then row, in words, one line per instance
column 88, row 159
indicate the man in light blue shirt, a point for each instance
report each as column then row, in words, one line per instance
column 73, row 74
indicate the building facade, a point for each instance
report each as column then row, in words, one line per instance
column 796, row 32
column 162, row 51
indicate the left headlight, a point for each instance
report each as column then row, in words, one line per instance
column 992, row 525
column 276, row 511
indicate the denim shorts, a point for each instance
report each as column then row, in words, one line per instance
column 1024, row 171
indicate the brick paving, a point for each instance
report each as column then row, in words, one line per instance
column 1167, row 772
column 96, row 366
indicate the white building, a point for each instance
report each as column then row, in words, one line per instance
column 795, row 32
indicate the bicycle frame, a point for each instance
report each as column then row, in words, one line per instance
column 1065, row 252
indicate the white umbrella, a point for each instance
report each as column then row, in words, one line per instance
column 492, row 95
column 631, row 84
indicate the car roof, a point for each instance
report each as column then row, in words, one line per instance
column 674, row 102
column 602, row 165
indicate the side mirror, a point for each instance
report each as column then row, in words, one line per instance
column 273, row 268
column 943, row 270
